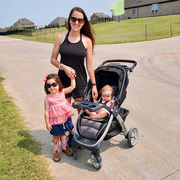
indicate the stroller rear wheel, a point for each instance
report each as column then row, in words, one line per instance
column 132, row 137
column 95, row 161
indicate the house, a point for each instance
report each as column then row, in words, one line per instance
column 97, row 17
column 149, row 8
column 4, row 31
column 23, row 24
column 59, row 21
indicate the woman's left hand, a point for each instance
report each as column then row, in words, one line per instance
column 94, row 92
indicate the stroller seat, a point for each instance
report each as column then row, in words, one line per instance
column 91, row 128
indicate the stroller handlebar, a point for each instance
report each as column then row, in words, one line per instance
column 131, row 68
column 92, row 107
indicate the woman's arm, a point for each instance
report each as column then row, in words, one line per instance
column 90, row 67
column 71, row 87
column 70, row 72
column 55, row 51
column 46, row 115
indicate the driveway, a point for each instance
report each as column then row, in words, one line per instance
column 153, row 99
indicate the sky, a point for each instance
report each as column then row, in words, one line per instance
column 42, row 12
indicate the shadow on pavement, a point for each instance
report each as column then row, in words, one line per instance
column 82, row 162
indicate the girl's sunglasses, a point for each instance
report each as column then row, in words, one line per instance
column 53, row 85
column 80, row 21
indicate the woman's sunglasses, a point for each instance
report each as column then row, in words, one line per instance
column 80, row 21
column 53, row 85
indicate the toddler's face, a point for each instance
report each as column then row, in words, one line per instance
column 52, row 86
column 106, row 96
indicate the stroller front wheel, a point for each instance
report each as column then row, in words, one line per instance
column 132, row 137
column 95, row 161
column 75, row 153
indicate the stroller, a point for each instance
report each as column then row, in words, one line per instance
column 90, row 132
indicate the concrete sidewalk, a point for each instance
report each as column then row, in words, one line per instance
column 153, row 99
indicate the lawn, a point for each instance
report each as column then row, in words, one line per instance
column 20, row 153
column 134, row 30
column 130, row 30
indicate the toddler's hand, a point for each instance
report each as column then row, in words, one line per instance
column 70, row 72
column 49, row 127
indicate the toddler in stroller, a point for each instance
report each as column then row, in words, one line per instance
column 107, row 99
column 89, row 132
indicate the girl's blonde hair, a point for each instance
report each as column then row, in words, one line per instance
column 107, row 88
column 57, row 80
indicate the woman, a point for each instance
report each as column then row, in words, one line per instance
column 74, row 47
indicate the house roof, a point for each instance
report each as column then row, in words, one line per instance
column 23, row 23
column 60, row 20
column 137, row 3
column 5, row 29
column 102, row 15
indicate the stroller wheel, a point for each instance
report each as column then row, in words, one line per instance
column 75, row 153
column 95, row 162
column 132, row 137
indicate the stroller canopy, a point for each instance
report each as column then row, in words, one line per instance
column 116, row 76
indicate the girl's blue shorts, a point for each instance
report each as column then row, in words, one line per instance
column 61, row 129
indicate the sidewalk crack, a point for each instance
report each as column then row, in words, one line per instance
column 170, row 174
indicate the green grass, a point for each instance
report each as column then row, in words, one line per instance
column 20, row 153
column 130, row 30
column 134, row 30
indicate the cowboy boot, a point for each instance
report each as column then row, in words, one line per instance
column 65, row 148
column 57, row 156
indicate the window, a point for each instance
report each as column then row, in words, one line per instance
column 133, row 10
column 154, row 8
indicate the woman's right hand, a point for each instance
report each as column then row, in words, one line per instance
column 70, row 72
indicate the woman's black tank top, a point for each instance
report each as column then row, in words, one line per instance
column 73, row 54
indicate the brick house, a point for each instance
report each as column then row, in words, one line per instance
column 59, row 21
column 150, row 8
column 97, row 17
column 23, row 24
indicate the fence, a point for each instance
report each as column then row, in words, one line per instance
column 136, row 32
column 127, row 33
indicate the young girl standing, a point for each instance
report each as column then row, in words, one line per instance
column 57, row 113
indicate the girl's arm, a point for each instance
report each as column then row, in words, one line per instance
column 46, row 115
column 90, row 67
column 70, row 72
column 71, row 87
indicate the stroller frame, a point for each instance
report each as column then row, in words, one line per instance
column 94, row 144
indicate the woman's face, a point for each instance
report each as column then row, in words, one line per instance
column 76, row 21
